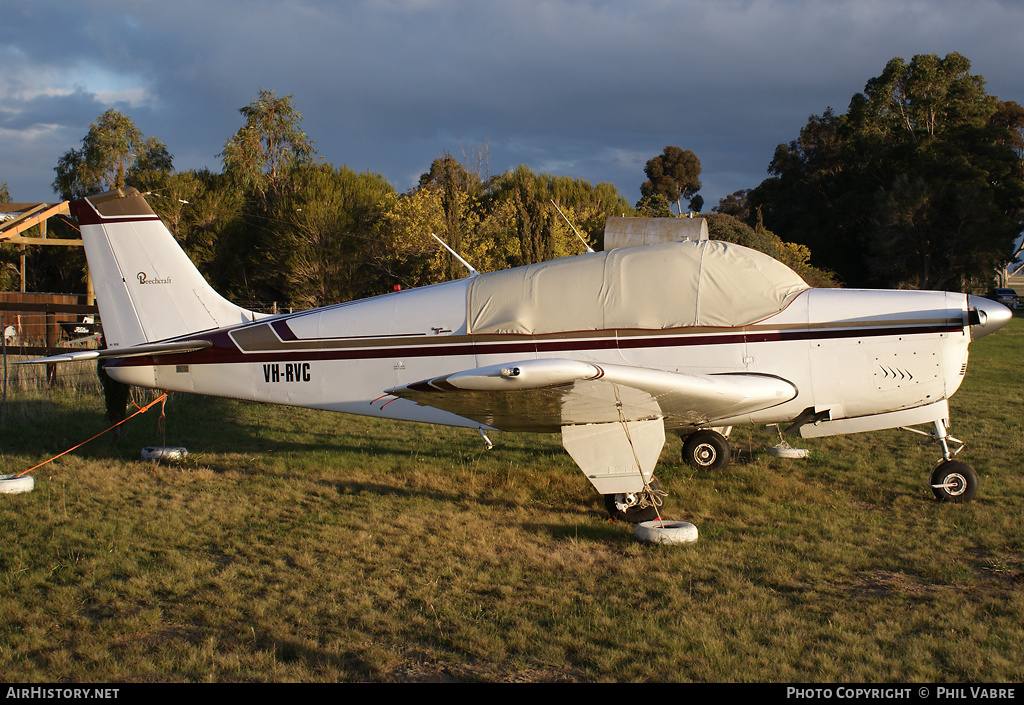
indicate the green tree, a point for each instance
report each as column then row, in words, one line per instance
column 315, row 245
column 330, row 245
column 264, row 163
column 918, row 184
column 813, row 198
column 458, row 190
column 521, row 212
column 729, row 228
column 1009, row 119
column 949, row 204
column 587, row 206
column 654, row 206
column 261, row 155
column 407, row 255
column 525, row 200
column 927, row 97
column 198, row 208
column 674, row 174
column 735, row 204
column 9, row 272
column 114, row 154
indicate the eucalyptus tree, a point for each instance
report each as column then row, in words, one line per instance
column 458, row 191
column 261, row 162
column 262, row 154
column 114, row 153
column 674, row 174
column 654, row 205
column 918, row 184
column 9, row 272
column 327, row 252
column 735, row 204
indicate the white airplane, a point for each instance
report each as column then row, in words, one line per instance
column 610, row 349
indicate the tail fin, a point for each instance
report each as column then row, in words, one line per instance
column 146, row 287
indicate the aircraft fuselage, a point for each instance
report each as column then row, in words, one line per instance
column 852, row 352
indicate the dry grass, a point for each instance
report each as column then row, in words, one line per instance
column 71, row 377
column 304, row 546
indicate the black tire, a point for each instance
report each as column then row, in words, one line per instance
column 636, row 512
column 707, row 450
column 953, row 481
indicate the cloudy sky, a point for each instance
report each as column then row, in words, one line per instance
column 588, row 89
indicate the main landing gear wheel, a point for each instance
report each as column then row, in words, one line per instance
column 708, row 450
column 953, row 481
column 636, row 507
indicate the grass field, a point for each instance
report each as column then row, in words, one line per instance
column 303, row 546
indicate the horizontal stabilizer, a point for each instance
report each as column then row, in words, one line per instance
column 148, row 350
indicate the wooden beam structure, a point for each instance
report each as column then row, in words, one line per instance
column 30, row 215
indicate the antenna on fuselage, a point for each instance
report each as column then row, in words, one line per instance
column 467, row 265
column 589, row 250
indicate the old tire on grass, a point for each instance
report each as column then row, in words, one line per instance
column 9, row 484
column 663, row 531
column 163, row 453
column 954, row 481
column 784, row 450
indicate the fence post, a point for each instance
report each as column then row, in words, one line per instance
column 3, row 407
column 51, row 344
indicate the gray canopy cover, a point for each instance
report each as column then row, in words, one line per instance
column 669, row 285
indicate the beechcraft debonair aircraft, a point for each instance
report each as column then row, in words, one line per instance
column 609, row 349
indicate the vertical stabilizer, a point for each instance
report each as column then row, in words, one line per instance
column 146, row 286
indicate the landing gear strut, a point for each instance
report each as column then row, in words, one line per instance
column 951, row 480
column 636, row 507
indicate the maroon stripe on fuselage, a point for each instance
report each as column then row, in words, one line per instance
column 283, row 330
column 224, row 351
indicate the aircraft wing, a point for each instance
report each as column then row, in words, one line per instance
column 146, row 350
column 545, row 395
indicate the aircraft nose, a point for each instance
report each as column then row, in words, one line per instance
column 992, row 316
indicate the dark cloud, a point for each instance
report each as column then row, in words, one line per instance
column 586, row 89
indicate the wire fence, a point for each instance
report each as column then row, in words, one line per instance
column 40, row 325
column 71, row 376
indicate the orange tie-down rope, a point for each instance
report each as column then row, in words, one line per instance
column 147, row 407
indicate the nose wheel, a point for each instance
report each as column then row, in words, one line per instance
column 954, row 481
